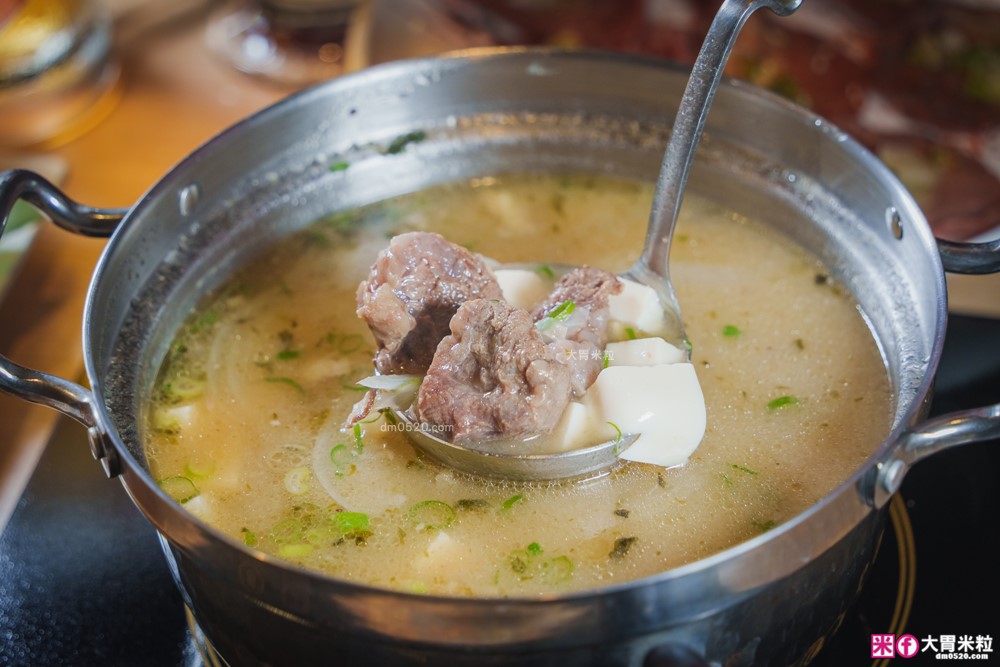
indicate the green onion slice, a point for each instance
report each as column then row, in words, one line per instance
column 432, row 514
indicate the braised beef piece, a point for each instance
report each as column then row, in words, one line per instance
column 578, row 340
column 411, row 293
column 493, row 376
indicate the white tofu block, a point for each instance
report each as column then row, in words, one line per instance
column 643, row 352
column 663, row 403
column 637, row 306
column 522, row 288
column 577, row 429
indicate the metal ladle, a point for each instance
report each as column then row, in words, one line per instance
column 651, row 269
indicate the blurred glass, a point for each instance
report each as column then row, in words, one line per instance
column 57, row 75
column 294, row 42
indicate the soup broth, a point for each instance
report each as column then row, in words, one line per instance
column 245, row 426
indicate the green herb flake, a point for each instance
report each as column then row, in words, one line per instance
column 401, row 142
column 510, row 502
column 288, row 355
column 339, row 166
column 781, row 402
column 545, row 271
column 205, row 320
column 764, row 526
column 731, row 331
column 472, row 505
column 748, row 471
column 621, row 548
column 534, row 548
column 249, row 537
column 630, row 333
column 286, row 381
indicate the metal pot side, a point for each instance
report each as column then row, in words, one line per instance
column 767, row 601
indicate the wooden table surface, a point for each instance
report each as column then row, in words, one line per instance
column 173, row 95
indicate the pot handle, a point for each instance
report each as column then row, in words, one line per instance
column 67, row 397
column 975, row 258
column 931, row 437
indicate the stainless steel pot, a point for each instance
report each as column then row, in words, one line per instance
column 771, row 600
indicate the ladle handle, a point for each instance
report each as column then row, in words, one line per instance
column 690, row 121
column 67, row 397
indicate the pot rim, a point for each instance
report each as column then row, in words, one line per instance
column 366, row 78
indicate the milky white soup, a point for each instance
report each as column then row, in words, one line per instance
column 246, row 423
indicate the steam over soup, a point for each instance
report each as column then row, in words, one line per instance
column 246, row 423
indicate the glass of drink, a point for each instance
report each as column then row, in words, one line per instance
column 294, row 42
column 57, row 73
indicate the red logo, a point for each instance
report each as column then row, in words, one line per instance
column 907, row 646
column 884, row 646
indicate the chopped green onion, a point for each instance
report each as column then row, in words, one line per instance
column 545, row 270
column 688, row 345
column 617, row 430
column 402, row 141
column 165, row 420
column 179, row 488
column 297, row 481
column 606, row 360
column 353, row 387
column 630, row 332
column 557, row 570
column 731, row 331
column 764, row 526
column 341, row 457
column 199, row 469
column 534, row 548
column 510, row 502
column 249, row 537
column 358, row 442
column 339, row 166
column 562, row 311
column 289, row 381
column 781, row 402
column 287, row 355
column 295, row 550
column 183, row 388
column 472, row 505
column 622, row 546
column 287, row 531
column 205, row 320
column 432, row 514
column 350, row 523
column 743, row 469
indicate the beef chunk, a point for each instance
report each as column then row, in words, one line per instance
column 493, row 376
column 579, row 339
column 411, row 293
